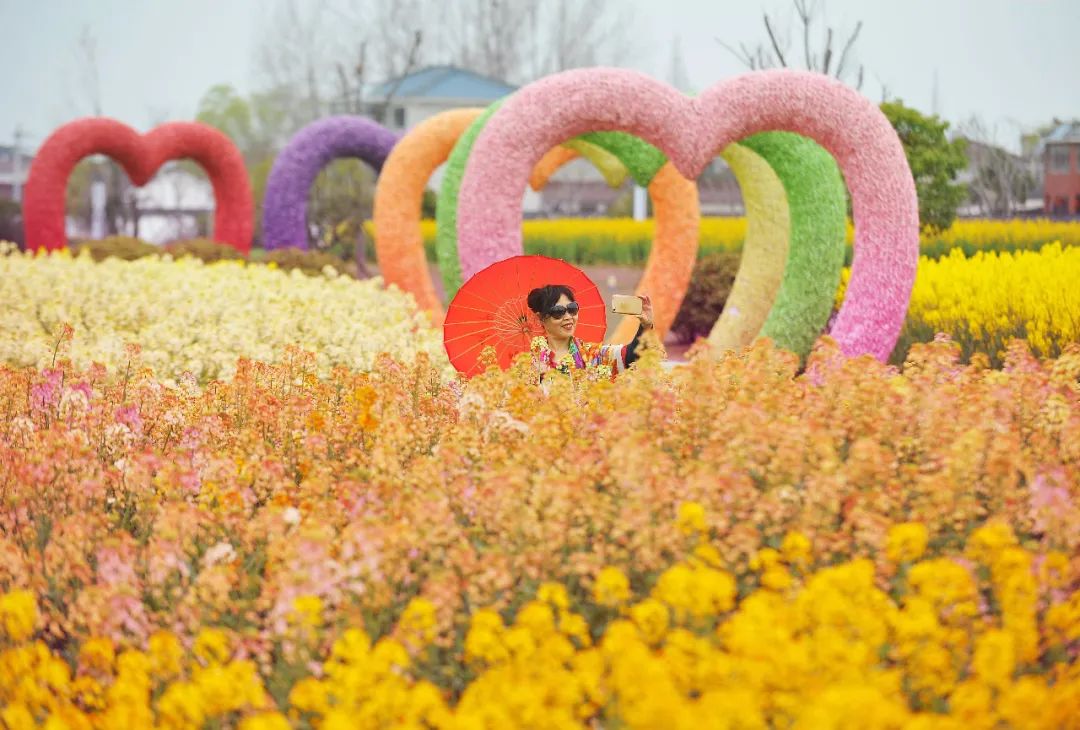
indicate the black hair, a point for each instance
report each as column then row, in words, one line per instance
column 542, row 299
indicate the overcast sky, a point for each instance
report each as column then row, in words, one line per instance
column 1015, row 63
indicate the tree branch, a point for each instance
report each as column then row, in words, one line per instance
column 772, row 39
column 805, row 13
column 744, row 58
column 827, row 57
column 844, row 54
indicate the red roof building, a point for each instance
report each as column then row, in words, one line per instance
column 1061, row 165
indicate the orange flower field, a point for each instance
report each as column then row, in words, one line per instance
column 742, row 543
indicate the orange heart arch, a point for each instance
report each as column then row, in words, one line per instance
column 399, row 246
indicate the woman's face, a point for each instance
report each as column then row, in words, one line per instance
column 563, row 327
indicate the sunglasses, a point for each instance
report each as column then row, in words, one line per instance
column 559, row 310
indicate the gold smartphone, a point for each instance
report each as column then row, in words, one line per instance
column 625, row 304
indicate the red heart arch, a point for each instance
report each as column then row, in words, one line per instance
column 140, row 156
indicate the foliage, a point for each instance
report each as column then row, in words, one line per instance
column 205, row 249
column 429, row 204
column 344, row 191
column 709, row 287
column 200, row 318
column 935, row 162
column 312, row 263
column 126, row 248
column 732, row 540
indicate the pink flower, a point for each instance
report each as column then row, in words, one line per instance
column 45, row 393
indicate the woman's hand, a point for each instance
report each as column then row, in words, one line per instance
column 646, row 315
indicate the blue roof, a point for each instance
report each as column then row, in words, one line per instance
column 445, row 82
column 1065, row 132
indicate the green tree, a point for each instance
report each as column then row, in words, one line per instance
column 934, row 161
column 260, row 125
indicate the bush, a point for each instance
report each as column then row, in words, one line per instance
column 127, row 248
column 309, row 262
column 710, row 285
column 205, row 249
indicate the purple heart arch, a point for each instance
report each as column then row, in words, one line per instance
column 691, row 131
column 295, row 170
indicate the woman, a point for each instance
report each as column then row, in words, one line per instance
column 560, row 351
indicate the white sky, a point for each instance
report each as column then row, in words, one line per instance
column 1016, row 63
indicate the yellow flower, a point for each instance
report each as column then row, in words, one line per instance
column 651, row 618
column 691, row 519
column 309, row 695
column 97, row 654
column 906, row 542
column 764, row 559
column 537, row 618
column 265, row 721
column 181, row 706
column 166, row 654
column 307, row 611
column 418, row 621
column 776, row 578
column 612, row 587
column 212, row 645
column 555, row 594
column 988, row 541
column 995, row 658
column 352, row 647
column 389, row 655
column 795, row 548
column 16, row 716
column 575, row 626
column 484, row 642
column 707, row 555
column 18, row 614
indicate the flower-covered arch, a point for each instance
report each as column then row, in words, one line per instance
column 140, row 156
column 307, row 153
column 690, row 131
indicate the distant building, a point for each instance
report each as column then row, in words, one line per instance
column 576, row 190
column 404, row 102
column 1061, row 164
column 1000, row 183
column 13, row 171
column 177, row 203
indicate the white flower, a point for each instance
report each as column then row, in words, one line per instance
column 187, row 315
column 291, row 516
column 221, row 552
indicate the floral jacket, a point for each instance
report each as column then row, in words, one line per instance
column 598, row 361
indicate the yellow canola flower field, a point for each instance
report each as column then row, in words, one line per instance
column 984, row 301
column 807, row 649
column 623, row 241
column 190, row 316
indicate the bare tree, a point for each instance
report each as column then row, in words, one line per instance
column 86, row 67
column 300, row 41
column 578, row 34
column 1000, row 181
column 119, row 199
column 677, row 73
column 821, row 45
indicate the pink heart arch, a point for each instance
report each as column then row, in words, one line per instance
column 691, row 131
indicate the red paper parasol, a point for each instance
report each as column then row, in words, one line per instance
column 491, row 309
